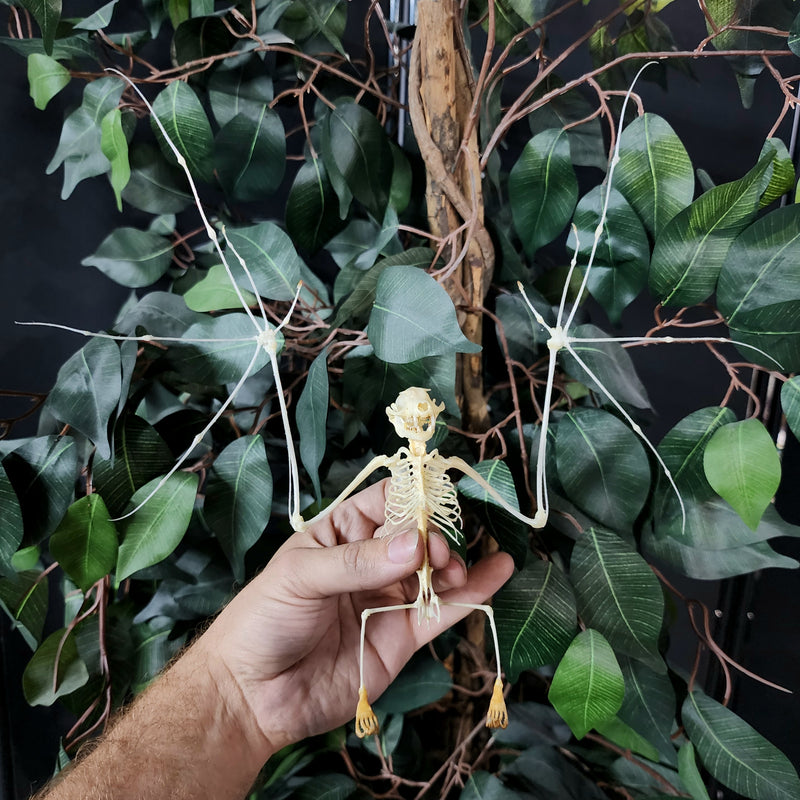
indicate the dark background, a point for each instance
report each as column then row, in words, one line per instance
column 44, row 240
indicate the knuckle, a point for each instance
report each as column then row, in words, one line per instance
column 353, row 557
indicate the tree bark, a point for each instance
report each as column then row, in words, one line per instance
column 440, row 103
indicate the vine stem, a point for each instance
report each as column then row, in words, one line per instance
column 707, row 639
column 518, row 110
column 658, row 777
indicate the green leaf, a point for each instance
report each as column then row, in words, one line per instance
column 689, row 253
column 507, row 22
column 85, row 542
column 305, row 18
column 649, row 706
column 747, row 26
column 714, row 525
column 361, row 298
column 402, row 181
column 654, row 172
column 24, row 597
column 536, row 618
column 181, row 113
column 326, row 787
column 610, row 362
column 54, row 670
column 132, row 257
column 219, row 350
column 156, row 529
column 742, row 465
column 201, row 38
column 99, row 19
column 153, row 649
column 735, row 754
column 197, row 587
column 533, row 724
column 270, row 257
column 794, row 36
column 782, row 180
column 682, row 451
column 602, row 466
column 46, row 78
column 421, row 682
column 79, row 147
column 115, row 148
column 618, row 594
column 11, row 528
column 179, row 11
column 622, row 735
column 719, row 563
column 48, row 14
column 337, row 180
column 65, row 48
column 155, row 186
column 311, row 208
column 524, row 335
column 214, row 292
column 622, row 257
column 507, row 530
column 645, row 32
column 543, row 189
column 358, row 246
column 790, row 403
column 42, row 472
column 311, row 417
column 355, row 146
column 713, row 542
column 413, row 317
column 26, row 558
column 690, row 775
column 587, row 687
column 239, row 498
column 250, row 155
column 759, row 288
column 161, row 314
column 484, row 786
column 544, row 770
column 239, row 91
column 87, row 391
column 570, row 110
column 140, row 455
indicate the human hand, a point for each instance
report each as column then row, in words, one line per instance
column 289, row 641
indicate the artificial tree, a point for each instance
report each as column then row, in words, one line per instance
column 411, row 176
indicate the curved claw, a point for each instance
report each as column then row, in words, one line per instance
column 497, row 716
column 366, row 721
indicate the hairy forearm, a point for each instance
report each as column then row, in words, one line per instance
column 190, row 735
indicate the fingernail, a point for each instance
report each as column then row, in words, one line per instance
column 402, row 547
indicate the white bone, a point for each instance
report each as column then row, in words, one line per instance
column 422, row 496
column 263, row 338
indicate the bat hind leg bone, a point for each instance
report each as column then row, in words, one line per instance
column 366, row 722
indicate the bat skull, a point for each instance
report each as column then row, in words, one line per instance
column 414, row 414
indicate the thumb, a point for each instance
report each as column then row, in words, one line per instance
column 355, row 566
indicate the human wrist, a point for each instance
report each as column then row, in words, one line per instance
column 237, row 726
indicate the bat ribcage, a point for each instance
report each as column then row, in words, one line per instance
column 420, row 493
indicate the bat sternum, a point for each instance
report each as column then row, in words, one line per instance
column 427, row 599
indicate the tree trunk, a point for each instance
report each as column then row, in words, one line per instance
column 440, row 105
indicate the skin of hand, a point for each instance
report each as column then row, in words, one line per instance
column 280, row 662
column 291, row 637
